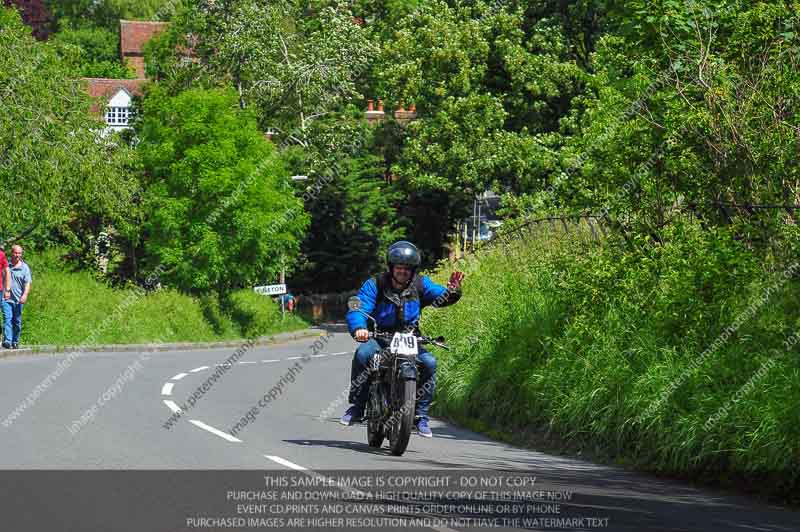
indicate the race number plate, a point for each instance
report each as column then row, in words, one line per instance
column 404, row 344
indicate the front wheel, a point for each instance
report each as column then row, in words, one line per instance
column 403, row 417
column 375, row 415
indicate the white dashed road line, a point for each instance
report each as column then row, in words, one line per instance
column 314, row 474
column 284, row 462
column 217, row 432
column 172, row 406
column 167, row 390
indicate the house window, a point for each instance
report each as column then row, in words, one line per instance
column 118, row 116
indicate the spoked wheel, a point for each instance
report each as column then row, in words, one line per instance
column 376, row 409
column 402, row 419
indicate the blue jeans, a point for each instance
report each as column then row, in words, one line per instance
column 12, row 321
column 359, row 385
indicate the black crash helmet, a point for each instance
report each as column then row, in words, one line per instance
column 403, row 252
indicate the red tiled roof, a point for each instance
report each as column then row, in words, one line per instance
column 135, row 33
column 103, row 89
column 106, row 88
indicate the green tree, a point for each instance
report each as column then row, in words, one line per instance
column 354, row 217
column 690, row 111
column 107, row 13
column 221, row 210
column 296, row 66
column 57, row 170
column 292, row 66
column 491, row 85
column 93, row 52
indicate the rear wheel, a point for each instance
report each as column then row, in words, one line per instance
column 376, row 410
column 403, row 416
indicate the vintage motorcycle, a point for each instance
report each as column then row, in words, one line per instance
column 393, row 385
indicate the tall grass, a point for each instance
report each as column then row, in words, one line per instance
column 582, row 340
column 68, row 308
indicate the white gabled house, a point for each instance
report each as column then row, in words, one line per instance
column 118, row 112
column 113, row 97
column 113, row 100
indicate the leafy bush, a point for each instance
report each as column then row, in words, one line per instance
column 222, row 212
column 258, row 315
column 91, row 52
column 57, row 173
column 670, row 356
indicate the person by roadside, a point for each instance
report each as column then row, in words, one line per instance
column 13, row 302
column 287, row 300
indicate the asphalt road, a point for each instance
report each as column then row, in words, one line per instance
column 120, row 442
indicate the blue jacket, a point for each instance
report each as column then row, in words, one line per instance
column 386, row 311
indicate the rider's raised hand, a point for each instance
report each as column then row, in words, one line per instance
column 361, row 335
column 456, row 278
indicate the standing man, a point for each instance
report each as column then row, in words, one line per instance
column 19, row 286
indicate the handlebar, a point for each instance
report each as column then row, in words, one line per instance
column 423, row 340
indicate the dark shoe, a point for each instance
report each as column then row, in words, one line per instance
column 7, row 345
column 423, row 428
column 15, row 345
column 354, row 414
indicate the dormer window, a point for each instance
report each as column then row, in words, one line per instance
column 118, row 116
column 119, row 111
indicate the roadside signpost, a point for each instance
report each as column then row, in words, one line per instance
column 272, row 290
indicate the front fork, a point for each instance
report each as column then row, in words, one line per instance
column 405, row 370
column 378, row 399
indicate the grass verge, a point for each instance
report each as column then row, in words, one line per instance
column 70, row 308
column 676, row 358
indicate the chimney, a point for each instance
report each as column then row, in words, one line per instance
column 401, row 115
column 372, row 115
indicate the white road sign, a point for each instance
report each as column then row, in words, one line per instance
column 270, row 290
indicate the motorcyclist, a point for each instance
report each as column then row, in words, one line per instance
column 395, row 299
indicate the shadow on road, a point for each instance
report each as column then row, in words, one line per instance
column 333, row 326
column 349, row 445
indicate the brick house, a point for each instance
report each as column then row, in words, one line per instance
column 113, row 97
column 133, row 36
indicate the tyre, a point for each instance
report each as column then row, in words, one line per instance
column 402, row 419
column 376, row 409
